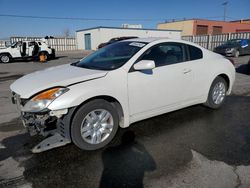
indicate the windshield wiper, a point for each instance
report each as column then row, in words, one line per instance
column 75, row 63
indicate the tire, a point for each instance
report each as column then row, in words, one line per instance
column 53, row 54
column 5, row 58
column 217, row 93
column 46, row 55
column 236, row 53
column 86, row 126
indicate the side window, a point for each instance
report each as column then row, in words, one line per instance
column 194, row 52
column 165, row 54
column 31, row 44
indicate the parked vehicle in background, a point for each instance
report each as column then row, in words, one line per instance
column 26, row 50
column 128, row 81
column 234, row 47
column 113, row 40
column 249, row 65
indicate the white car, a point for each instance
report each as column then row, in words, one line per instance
column 125, row 82
column 25, row 50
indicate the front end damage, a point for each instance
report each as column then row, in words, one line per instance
column 53, row 125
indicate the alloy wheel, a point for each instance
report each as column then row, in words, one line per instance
column 219, row 93
column 97, row 126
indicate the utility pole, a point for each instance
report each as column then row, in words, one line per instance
column 225, row 10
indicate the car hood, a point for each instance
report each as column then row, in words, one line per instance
column 63, row 75
column 4, row 49
column 224, row 46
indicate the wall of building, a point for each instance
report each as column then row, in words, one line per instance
column 197, row 27
column 227, row 27
column 185, row 26
column 246, row 21
column 100, row 35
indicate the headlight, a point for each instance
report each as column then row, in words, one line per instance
column 229, row 49
column 43, row 100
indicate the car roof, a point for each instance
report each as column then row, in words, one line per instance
column 164, row 39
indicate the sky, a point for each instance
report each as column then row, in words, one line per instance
column 147, row 13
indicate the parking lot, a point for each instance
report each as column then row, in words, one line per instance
column 192, row 147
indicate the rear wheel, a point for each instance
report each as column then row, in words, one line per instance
column 217, row 93
column 5, row 58
column 45, row 54
column 94, row 125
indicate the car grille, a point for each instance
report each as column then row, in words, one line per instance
column 220, row 50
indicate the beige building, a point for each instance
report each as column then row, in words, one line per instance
column 185, row 26
column 205, row 27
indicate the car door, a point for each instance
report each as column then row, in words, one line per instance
column 16, row 50
column 248, row 47
column 30, row 48
column 166, row 86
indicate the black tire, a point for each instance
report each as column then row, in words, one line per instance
column 46, row 55
column 81, row 113
column 210, row 102
column 53, row 54
column 5, row 58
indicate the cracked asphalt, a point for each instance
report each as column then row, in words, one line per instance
column 192, row 147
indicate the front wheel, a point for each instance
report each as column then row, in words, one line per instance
column 94, row 125
column 217, row 93
column 4, row 58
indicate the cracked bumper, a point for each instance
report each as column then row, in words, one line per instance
column 54, row 125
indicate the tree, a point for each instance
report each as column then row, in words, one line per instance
column 66, row 32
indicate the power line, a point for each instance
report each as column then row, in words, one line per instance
column 74, row 18
column 101, row 19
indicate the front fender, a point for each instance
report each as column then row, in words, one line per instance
column 106, row 86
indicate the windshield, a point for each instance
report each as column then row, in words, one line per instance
column 7, row 44
column 16, row 44
column 112, row 56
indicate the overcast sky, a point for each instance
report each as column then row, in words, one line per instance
column 154, row 10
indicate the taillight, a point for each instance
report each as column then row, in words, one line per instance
column 231, row 60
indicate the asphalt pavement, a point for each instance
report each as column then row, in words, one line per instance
column 192, row 147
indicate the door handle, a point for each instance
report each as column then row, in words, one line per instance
column 185, row 71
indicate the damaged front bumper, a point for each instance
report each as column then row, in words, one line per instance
column 53, row 125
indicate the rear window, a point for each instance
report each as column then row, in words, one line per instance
column 194, row 53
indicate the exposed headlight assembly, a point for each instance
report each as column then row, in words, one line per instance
column 43, row 99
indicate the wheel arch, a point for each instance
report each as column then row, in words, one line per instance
column 6, row 53
column 226, row 78
column 43, row 51
column 110, row 99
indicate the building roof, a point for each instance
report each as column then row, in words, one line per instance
column 200, row 19
column 103, row 27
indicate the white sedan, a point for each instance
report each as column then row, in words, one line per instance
column 87, row 101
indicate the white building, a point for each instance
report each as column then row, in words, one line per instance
column 89, row 39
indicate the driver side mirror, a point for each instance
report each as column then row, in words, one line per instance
column 144, row 65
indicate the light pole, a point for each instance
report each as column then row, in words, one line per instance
column 225, row 9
